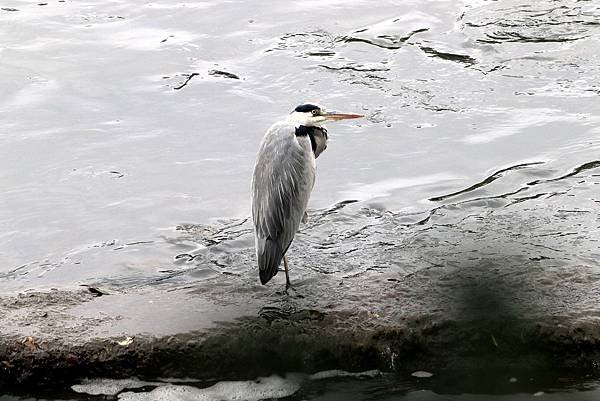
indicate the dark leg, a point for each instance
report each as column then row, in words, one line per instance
column 287, row 275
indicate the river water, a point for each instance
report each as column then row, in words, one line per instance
column 102, row 157
column 124, row 122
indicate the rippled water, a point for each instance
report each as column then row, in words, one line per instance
column 124, row 120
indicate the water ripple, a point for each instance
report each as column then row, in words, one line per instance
column 488, row 180
column 383, row 41
column 537, row 22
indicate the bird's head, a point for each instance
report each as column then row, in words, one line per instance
column 315, row 116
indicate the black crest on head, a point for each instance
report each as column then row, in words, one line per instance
column 305, row 108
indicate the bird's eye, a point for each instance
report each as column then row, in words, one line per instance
column 315, row 112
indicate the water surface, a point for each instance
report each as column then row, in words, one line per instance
column 108, row 144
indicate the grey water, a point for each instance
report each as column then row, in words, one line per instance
column 103, row 152
column 126, row 122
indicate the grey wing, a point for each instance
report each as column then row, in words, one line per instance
column 283, row 179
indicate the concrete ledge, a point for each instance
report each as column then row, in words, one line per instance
column 308, row 341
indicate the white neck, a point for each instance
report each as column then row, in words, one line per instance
column 306, row 119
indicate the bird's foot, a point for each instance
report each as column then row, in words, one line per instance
column 291, row 291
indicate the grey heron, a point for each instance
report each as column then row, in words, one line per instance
column 284, row 175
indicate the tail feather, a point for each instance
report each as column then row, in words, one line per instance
column 269, row 258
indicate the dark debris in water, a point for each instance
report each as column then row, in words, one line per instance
column 321, row 53
column 187, row 80
column 461, row 58
column 355, row 67
column 223, row 74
